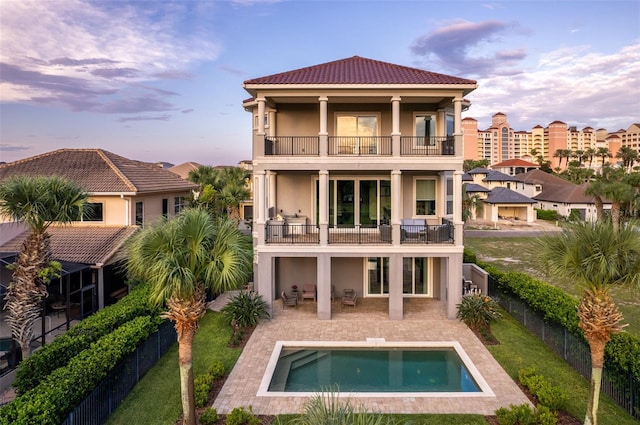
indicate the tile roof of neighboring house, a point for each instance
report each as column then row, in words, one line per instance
column 183, row 169
column 515, row 162
column 502, row 195
column 556, row 189
column 99, row 171
column 466, row 177
column 472, row 187
column 359, row 70
column 497, row 176
column 80, row 244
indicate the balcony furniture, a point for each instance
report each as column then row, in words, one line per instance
column 275, row 228
column 349, row 298
column 309, row 292
column 296, row 225
column 413, row 229
column 288, row 300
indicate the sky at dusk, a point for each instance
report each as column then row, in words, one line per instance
column 162, row 81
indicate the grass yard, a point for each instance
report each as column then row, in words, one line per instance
column 514, row 254
column 156, row 398
column 519, row 349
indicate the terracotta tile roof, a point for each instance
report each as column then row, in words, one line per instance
column 359, row 70
column 80, row 244
column 99, row 171
column 183, row 169
column 556, row 189
column 515, row 162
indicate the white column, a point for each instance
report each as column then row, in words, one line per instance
column 261, row 111
column 457, row 208
column 271, row 194
column 457, row 126
column 323, row 264
column 395, row 287
column 323, row 136
column 323, row 206
column 395, row 126
column 396, row 205
column 260, row 196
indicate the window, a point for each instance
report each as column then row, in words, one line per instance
column 449, row 183
column 425, row 129
column 425, row 190
column 93, row 211
column 365, row 202
column 165, row 207
column 179, row 202
column 139, row 213
column 415, row 279
column 450, row 125
column 357, row 133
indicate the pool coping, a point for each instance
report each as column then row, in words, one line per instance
column 485, row 389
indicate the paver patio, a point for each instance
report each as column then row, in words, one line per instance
column 424, row 320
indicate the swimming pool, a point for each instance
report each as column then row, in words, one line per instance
column 372, row 368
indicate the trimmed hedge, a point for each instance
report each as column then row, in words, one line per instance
column 51, row 401
column 622, row 353
column 56, row 354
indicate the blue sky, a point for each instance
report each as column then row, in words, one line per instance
column 162, row 81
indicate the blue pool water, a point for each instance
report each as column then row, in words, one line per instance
column 371, row 370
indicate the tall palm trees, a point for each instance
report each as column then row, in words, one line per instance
column 182, row 258
column 39, row 202
column 221, row 189
column 596, row 256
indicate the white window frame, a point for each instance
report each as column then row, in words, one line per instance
column 415, row 198
column 429, row 277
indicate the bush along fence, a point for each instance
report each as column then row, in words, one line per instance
column 551, row 314
column 111, row 392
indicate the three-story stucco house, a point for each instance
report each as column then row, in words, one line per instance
column 357, row 168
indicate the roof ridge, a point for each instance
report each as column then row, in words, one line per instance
column 102, row 153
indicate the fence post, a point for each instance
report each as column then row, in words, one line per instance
column 564, row 348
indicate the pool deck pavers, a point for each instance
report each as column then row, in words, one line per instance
column 424, row 320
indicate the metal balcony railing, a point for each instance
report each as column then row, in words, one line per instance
column 427, row 146
column 360, row 145
column 360, row 235
column 292, row 145
column 428, row 234
column 284, row 233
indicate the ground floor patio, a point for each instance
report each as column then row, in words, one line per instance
column 423, row 320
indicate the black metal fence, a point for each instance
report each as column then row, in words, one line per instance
column 624, row 389
column 111, row 392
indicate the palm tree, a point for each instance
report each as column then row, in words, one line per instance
column 628, row 156
column 559, row 153
column 603, row 153
column 472, row 205
column 181, row 258
column 39, row 202
column 596, row 256
column 589, row 154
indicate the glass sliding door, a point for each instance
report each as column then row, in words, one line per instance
column 359, row 133
column 368, row 203
column 377, row 276
column 415, row 276
column 425, row 129
column 345, row 203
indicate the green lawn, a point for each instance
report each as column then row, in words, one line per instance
column 519, row 348
column 514, row 254
column 156, row 398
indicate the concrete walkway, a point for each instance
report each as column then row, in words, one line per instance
column 424, row 320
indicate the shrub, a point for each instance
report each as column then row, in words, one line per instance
column 326, row 408
column 202, row 387
column 521, row 414
column 216, row 370
column 548, row 215
column 64, row 388
column 246, row 309
column 550, row 396
column 478, row 311
column 240, row 416
column 56, row 354
column 209, row 416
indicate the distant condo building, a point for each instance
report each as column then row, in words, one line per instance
column 500, row 142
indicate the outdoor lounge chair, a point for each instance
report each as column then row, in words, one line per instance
column 289, row 300
column 349, row 298
column 309, row 292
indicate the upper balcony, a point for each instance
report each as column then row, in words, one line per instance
column 410, row 146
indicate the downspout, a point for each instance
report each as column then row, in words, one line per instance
column 127, row 210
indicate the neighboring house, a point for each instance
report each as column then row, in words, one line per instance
column 124, row 194
column 184, row 169
column 554, row 193
column 357, row 168
column 506, row 203
column 514, row 166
